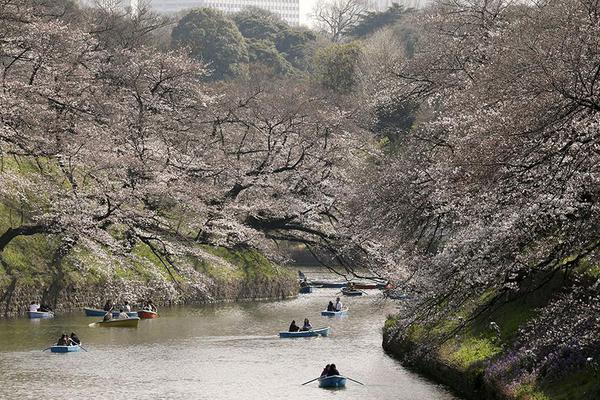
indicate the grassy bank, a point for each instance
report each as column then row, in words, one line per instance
column 472, row 351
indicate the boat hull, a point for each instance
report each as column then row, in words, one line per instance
column 147, row 314
column 40, row 314
column 352, row 293
column 120, row 323
column 330, row 285
column 326, row 313
column 311, row 333
column 334, row 381
column 65, row 349
column 95, row 312
column 306, row 289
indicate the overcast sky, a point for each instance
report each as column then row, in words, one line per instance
column 306, row 7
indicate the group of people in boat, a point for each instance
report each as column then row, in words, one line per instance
column 305, row 327
column 66, row 340
column 330, row 370
column 109, row 306
column 149, row 306
column 34, row 306
column 338, row 306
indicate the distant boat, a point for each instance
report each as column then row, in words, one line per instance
column 326, row 313
column 351, row 292
column 306, row 289
column 327, row 284
column 333, row 381
column 311, row 333
column 145, row 314
column 95, row 312
column 65, row 349
column 40, row 314
column 359, row 285
column 120, row 323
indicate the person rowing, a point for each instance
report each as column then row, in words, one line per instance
column 325, row 370
column 122, row 314
column 294, row 327
column 307, row 326
column 338, row 305
column 330, row 306
column 333, row 370
column 63, row 341
column 74, row 339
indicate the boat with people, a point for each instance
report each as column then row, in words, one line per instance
column 40, row 314
column 351, row 292
column 95, row 312
column 333, row 381
column 147, row 314
column 65, row 349
column 326, row 313
column 120, row 322
column 309, row 333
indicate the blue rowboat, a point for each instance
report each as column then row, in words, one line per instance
column 94, row 312
column 40, row 314
column 326, row 313
column 351, row 292
column 334, row 381
column 311, row 333
column 306, row 289
column 65, row 349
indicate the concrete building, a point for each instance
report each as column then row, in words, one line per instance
column 288, row 10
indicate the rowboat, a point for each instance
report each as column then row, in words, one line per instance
column 120, row 323
column 145, row 314
column 359, row 285
column 351, row 292
column 333, row 381
column 326, row 313
column 94, row 312
column 306, row 289
column 65, row 349
column 311, row 333
column 40, row 314
column 327, row 284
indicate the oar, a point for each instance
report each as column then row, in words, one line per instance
column 47, row 349
column 312, row 380
column 82, row 348
column 93, row 324
column 354, row 380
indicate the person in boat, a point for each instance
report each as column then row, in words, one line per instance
column 74, row 339
column 108, row 306
column 338, row 304
column 122, row 314
column 307, row 326
column 294, row 327
column 127, row 307
column 44, row 308
column 63, row 341
column 330, row 306
column 325, row 371
column 301, row 276
column 34, row 306
column 151, row 306
column 333, row 370
column 350, row 286
column 107, row 316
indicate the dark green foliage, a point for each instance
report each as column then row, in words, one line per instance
column 256, row 23
column 372, row 21
column 215, row 39
column 335, row 66
column 264, row 52
column 295, row 45
column 394, row 119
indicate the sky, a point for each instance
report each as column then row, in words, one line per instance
column 306, row 8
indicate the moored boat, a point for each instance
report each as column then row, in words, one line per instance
column 311, row 333
column 65, row 349
column 145, row 314
column 327, row 284
column 351, row 292
column 326, row 313
column 120, row 323
column 306, row 289
column 334, row 381
column 40, row 314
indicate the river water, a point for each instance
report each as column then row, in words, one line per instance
column 214, row 352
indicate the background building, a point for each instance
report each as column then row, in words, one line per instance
column 288, row 10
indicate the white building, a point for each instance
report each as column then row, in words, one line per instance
column 288, row 10
column 382, row 5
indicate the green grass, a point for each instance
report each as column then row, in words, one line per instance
column 584, row 384
column 474, row 350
